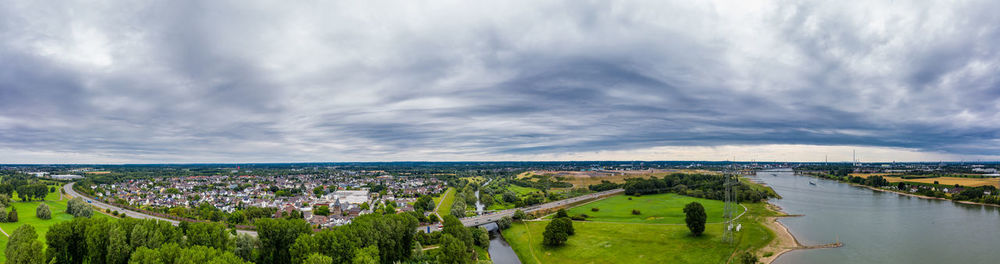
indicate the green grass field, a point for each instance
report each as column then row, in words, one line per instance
column 26, row 216
column 449, row 199
column 621, row 238
column 664, row 208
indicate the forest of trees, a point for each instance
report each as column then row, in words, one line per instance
column 694, row 185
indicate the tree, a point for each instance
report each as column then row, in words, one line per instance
column 276, row 236
column 509, row 197
column 118, row 245
column 390, row 208
column 318, row 191
column 695, row 218
column 245, row 246
column 480, row 236
column 78, row 208
column 7, row 189
column 23, row 192
column 317, row 258
column 554, row 234
column 456, row 229
column 519, row 215
column 4, row 199
column 453, row 250
column 748, row 258
column 24, row 247
column 562, row 213
column 322, row 210
column 458, row 208
column 367, row 255
column 12, row 217
column 209, row 234
column 424, row 202
column 3, row 214
column 43, row 212
column 433, row 218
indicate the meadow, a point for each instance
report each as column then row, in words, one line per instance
column 658, row 235
column 664, row 208
column 26, row 216
column 449, row 199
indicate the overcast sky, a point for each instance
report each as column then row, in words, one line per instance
column 265, row 81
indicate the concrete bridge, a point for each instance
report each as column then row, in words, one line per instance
column 495, row 216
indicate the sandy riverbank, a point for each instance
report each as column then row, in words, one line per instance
column 783, row 242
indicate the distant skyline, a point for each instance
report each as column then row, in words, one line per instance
column 243, row 81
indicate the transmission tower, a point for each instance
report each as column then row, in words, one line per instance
column 729, row 211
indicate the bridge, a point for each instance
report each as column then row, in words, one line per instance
column 495, row 216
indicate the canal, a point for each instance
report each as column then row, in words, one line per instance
column 881, row 227
column 500, row 251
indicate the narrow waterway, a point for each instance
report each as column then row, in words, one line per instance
column 500, row 251
column 881, row 227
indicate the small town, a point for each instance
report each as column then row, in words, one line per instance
column 345, row 196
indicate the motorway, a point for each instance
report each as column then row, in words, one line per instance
column 493, row 217
column 133, row 214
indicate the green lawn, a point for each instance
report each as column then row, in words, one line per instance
column 449, row 199
column 665, row 208
column 26, row 215
column 657, row 236
column 619, row 243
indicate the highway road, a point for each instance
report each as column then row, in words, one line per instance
column 493, row 217
column 133, row 214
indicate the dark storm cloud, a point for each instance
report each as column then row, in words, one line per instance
column 256, row 81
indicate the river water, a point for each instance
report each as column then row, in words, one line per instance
column 881, row 227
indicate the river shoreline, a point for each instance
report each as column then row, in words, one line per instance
column 784, row 240
column 908, row 194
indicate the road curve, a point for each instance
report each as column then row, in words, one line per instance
column 133, row 214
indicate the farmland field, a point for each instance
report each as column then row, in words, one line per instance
column 972, row 182
column 582, row 179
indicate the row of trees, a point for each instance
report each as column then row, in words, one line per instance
column 385, row 238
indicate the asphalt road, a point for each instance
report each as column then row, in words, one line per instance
column 133, row 214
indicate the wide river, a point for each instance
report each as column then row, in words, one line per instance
column 881, row 227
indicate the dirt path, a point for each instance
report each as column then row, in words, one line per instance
column 531, row 248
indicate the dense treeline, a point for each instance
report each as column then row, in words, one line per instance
column 392, row 235
column 604, row 186
column 377, row 238
column 694, row 185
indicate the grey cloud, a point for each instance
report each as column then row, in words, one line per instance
column 232, row 81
